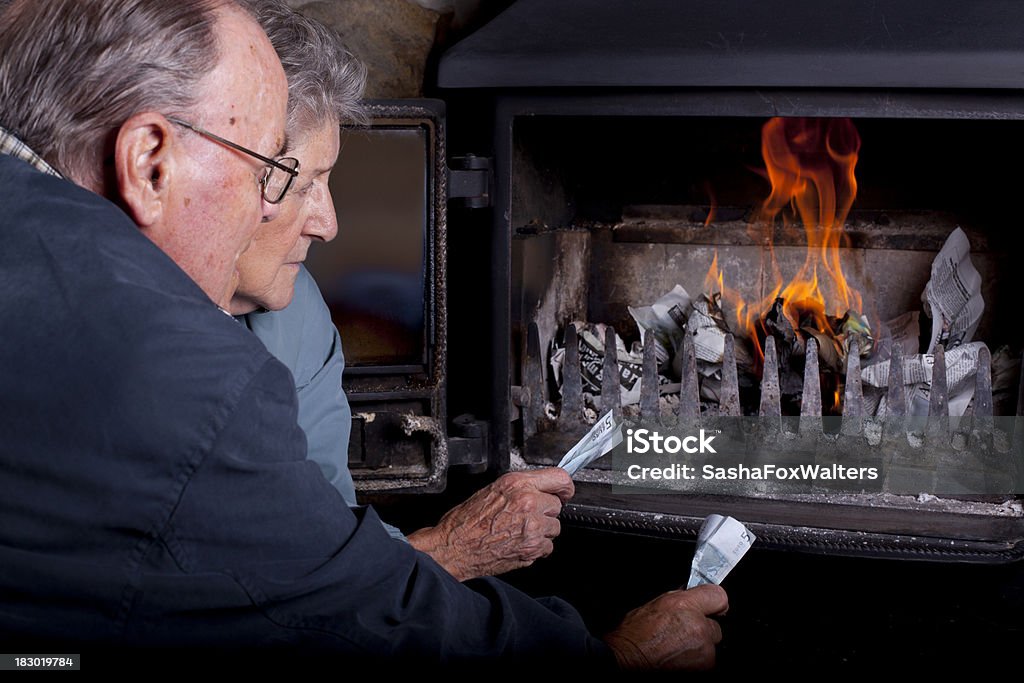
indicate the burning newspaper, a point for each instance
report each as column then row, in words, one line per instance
column 721, row 543
column 708, row 327
column 603, row 436
column 953, row 294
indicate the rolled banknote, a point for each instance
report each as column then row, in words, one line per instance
column 721, row 544
column 603, row 436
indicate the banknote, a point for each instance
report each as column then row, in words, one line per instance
column 721, row 543
column 603, row 436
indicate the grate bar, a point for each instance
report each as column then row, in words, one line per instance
column 610, row 399
column 730, row 394
column 810, row 403
column 689, row 389
column 534, row 382
column 571, row 414
column 771, row 400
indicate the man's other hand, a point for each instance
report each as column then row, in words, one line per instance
column 504, row 526
column 673, row 631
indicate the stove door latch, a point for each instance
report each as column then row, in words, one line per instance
column 471, row 179
column 469, row 443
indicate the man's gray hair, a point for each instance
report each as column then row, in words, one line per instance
column 325, row 82
column 73, row 71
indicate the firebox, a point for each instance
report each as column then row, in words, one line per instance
column 798, row 175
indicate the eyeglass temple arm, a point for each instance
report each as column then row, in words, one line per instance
column 292, row 172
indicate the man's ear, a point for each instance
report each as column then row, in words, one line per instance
column 144, row 165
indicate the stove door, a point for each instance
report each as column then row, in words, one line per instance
column 383, row 279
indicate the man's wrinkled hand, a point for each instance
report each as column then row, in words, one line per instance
column 673, row 631
column 504, row 526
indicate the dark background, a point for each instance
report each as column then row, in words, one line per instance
column 789, row 610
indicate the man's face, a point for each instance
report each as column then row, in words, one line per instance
column 268, row 267
column 216, row 204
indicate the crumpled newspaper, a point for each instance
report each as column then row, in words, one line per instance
column 903, row 331
column 707, row 328
column 591, row 345
column 952, row 296
column 666, row 320
column 961, row 373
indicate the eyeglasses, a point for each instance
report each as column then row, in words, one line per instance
column 274, row 186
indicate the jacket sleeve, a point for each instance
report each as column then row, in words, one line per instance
column 280, row 558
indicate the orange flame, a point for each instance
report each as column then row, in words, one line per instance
column 810, row 165
column 747, row 317
column 712, row 206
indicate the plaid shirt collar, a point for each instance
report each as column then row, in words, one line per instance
column 9, row 144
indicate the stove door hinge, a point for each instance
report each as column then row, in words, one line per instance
column 471, row 179
column 469, row 443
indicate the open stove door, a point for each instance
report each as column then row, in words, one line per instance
column 384, row 280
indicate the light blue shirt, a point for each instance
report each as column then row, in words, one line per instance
column 304, row 338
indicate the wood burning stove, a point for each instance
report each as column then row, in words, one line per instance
column 622, row 154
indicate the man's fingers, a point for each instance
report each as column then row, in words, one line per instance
column 553, row 480
column 707, row 599
column 547, row 504
column 551, row 527
column 714, row 631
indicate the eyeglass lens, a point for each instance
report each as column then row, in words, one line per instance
column 277, row 182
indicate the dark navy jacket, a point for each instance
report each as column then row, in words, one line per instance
column 154, row 488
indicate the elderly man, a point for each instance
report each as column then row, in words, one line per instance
column 507, row 525
column 156, row 490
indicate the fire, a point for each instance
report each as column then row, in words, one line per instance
column 809, row 164
column 712, row 206
column 747, row 317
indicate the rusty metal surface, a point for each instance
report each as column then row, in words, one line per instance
column 729, row 404
column 982, row 424
column 938, row 401
column 533, row 380
column 896, row 397
column 689, row 390
column 571, row 415
column 610, row 398
column 983, row 384
column 786, row 533
column 430, row 474
column 810, row 403
column 649, row 406
column 888, row 230
column 853, row 395
column 770, row 396
column 937, row 426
